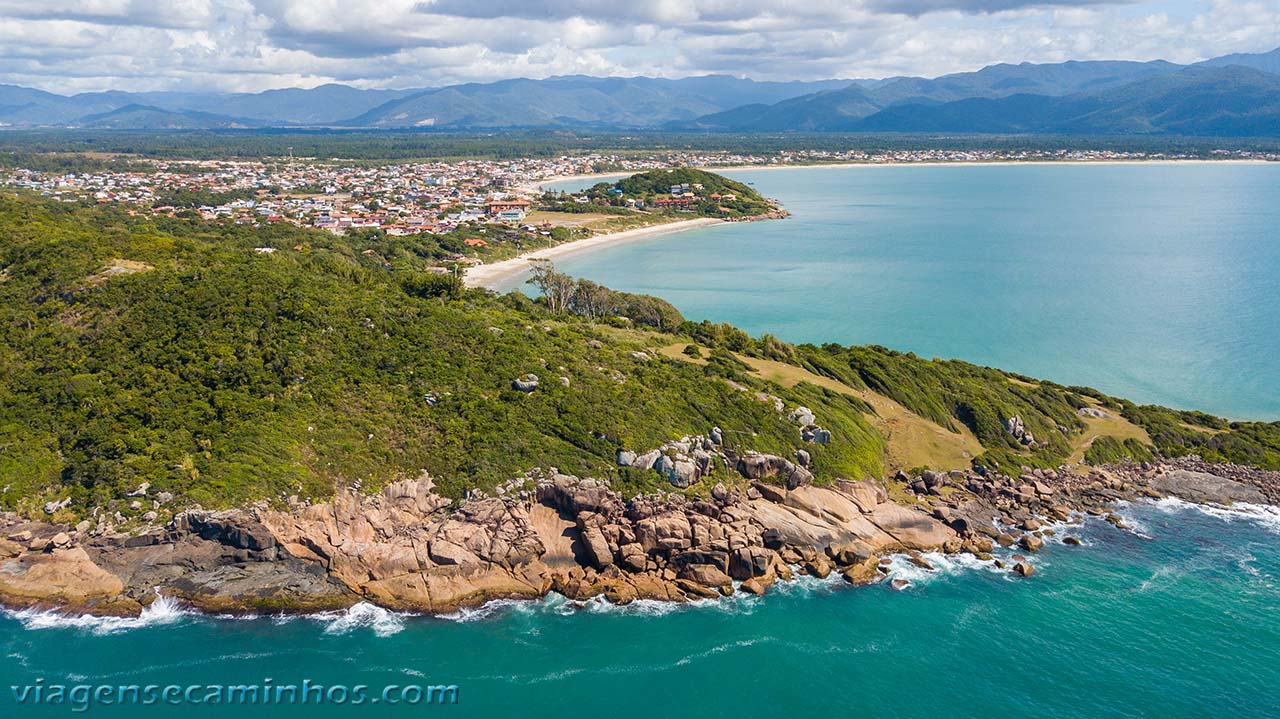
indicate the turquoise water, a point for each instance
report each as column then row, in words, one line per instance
column 1154, row 282
column 1175, row 619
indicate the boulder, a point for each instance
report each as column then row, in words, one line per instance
column 749, row 562
column 913, row 529
column 705, row 574
column 799, row 477
column 851, row 553
column 815, row 434
column 525, row 383
column 770, row 492
column 232, row 529
column 646, row 460
column 1204, row 488
column 664, row 532
column 448, row 553
column 1031, row 543
column 802, row 416
column 1022, row 569
column 682, row 474
column 663, row 464
column 633, row 557
column 596, row 548
column 573, row 496
column 864, row 493
column 866, row 571
column 818, row 567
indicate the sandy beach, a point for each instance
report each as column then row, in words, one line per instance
column 491, row 275
column 538, row 185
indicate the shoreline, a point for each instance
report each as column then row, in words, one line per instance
column 166, row 608
column 491, row 274
column 538, row 185
column 582, row 540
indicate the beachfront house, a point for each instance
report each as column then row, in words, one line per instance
column 508, row 210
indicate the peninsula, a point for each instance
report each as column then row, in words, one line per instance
column 189, row 416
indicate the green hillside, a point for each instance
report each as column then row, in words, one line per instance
column 178, row 354
column 711, row 195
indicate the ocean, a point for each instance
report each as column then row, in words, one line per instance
column 1153, row 282
column 1174, row 617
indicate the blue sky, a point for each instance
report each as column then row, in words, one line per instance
column 251, row 45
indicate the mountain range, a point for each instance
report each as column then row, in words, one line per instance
column 1233, row 95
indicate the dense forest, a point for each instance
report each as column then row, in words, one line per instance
column 179, row 354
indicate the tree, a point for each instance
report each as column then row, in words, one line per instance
column 591, row 299
column 557, row 287
column 427, row 286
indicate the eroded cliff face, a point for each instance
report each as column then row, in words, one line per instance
column 404, row 548
column 407, row 548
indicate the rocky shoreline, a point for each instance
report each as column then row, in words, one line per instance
column 407, row 548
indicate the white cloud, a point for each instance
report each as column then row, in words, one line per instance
column 76, row 45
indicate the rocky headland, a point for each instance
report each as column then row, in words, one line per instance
column 407, row 548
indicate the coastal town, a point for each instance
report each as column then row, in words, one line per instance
column 439, row 197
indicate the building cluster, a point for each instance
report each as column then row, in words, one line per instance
column 399, row 199
column 436, row 197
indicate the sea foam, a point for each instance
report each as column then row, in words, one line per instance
column 160, row 612
column 1264, row 515
column 364, row 615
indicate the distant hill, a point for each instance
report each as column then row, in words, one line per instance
column 1265, row 61
column 817, row 112
column 1027, row 78
column 1229, row 101
column 580, row 100
column 323, row 105
column 143, row 117
column 1094, row 97
column 1200, row 100
column 27, row 107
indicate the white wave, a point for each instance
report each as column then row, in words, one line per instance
column 901, row 567
column 1130, row 521
column 808, row 583
column 1158, row 576
column 485, row 611
column 1265, row 515
column 719, row 649
column 364, row 615
column 160, row 612
column 640, row 607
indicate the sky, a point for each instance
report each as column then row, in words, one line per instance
column 69, row 46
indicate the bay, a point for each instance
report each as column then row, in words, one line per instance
column 1156, row 282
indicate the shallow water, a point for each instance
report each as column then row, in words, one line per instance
column 1159, row 283
column 1177, row 618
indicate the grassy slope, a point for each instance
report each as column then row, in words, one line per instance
column 223, row 375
